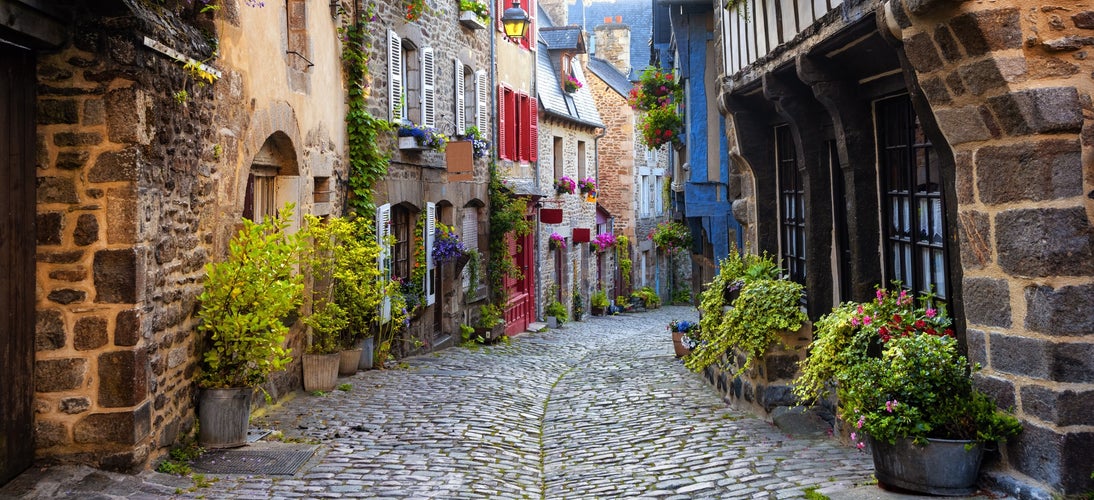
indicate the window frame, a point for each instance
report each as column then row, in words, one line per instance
column 792, row 216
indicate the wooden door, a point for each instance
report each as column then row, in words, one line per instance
column 521, row 309
column 17, row 240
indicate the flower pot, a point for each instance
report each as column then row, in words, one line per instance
column 367, row 347
column 471, row 20
column 678, row 346
column 223, row 415
column 320, row 371
column 410, row 144
column 347, row 363
column 552, row 322
column 597, row 311
column 943, row 467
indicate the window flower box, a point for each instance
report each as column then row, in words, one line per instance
column 410, row 144
column 472, row 20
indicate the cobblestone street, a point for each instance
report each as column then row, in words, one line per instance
column 599, row 408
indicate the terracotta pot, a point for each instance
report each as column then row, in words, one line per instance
column 678, row 345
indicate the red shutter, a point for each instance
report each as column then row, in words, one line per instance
column 533, row 127
column 512, row 136
column 497, row 15
column 502, row 110
column 524, row 128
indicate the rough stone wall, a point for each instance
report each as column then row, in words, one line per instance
column 417, row 177
column 576, row 213
column 1009, row 83
column 141, row 176
column 616, row 154
column 613, row 44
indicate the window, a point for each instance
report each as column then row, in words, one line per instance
column 260, row 203
column 580, row 159
column 791, row 205
column 517, row 125
column 659, row 198
column 557, row 158
column 651, row 194
column 643, row 197
column 530, row 7
column 913, row 225
column 402, row 228
column 412, row 78
column 296, row 27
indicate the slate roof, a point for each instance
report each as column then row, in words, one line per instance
column 616, row 80
column 637, row 14
column 579, row 106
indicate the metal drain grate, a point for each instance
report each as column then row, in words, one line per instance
column 254, row 435
column 276, row 459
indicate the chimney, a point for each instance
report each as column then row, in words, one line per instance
column 613, row 44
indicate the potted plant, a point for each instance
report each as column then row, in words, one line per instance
column 480, row 147
column 598, row 302
column 621, row 301
column 244, row 304
column 555, row 313
column 604, row 241
column 577, row 304
column 474, row 14
column 556, row 242
column 417, row 138
column 447, row 247
column 671, row 236
column 565, row 185
column 490, row 319
column 571, row 84
column 684, row 335
column 914, row 401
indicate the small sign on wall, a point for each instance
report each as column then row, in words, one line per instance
column 550, row 215
column 460, row 160
column 582, row 234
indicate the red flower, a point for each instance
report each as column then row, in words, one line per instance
column 920, row 324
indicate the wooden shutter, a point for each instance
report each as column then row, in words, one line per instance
column 470, row 236
column 512, row 135
column 461, row 118
column 394, row 77
column 533, row 129
column 482, row 100
column 503, row 152
column 522, row 127
column 383, row 232
column 429, row 88
column 429, row 236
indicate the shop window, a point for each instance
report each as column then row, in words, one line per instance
column 791, row 205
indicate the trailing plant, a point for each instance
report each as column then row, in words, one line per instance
column 447, row 246
column 245, row 299
column 656, row 88
column 661, row 126
column 367, row 162
column 671, row 236
column 507, row 220
column 473, row 267
column 414, row 9
column 413, row 289
column 764, row 310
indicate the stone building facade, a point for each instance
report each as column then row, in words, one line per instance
column 966, row 126
column 143, row 170
column 569, row 129
column 432, row 72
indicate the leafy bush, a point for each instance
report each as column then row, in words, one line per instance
column 556, row 309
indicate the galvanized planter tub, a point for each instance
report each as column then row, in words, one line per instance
column 942, row 467
column 223, row 415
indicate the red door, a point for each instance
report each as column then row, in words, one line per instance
column 521, row 309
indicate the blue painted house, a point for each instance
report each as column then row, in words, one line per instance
column 683, row 40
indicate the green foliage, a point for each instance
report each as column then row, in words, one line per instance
column 367, row 162
column 671, row 236
column 812, row 494
column 474, row 267
column 507, row 220
column 245, row 300
column 599, row 299
column 765, row 308
column 556, row 309
column 648, row 297
column 577, row 303
column 919, row 386
column 178, row 459
column 342, row 257
column 682, row 296
column 345, row 387
column 489, row 316
column 622, row 257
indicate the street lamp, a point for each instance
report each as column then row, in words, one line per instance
column 515, row 20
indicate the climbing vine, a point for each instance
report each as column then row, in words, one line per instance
column 367, row 162
column 506, row 220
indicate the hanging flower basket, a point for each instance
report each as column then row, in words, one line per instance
column 556, row 242
column 571, row 84
column 565, row 185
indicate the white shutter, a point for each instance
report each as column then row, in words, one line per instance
column 383, row 230
column 659, row 196
column 470, row 236
column 430, row 229
column 461, row 118
column 395, row 76
column 482, row 100
column 429, row 88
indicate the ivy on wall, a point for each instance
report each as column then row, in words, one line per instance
column 506, row 220
column 367, row 162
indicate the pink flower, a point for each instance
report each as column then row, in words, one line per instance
column 866, row 320
column 854, row 437
column 889, row 405
column 861, row 445
column 854, row 321
column 930, row 312
column 880, row 294
column 861, row 420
